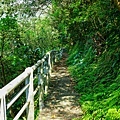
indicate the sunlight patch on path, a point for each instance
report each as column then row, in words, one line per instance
column 62, row 101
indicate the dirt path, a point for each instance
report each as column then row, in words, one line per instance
column 62, row 100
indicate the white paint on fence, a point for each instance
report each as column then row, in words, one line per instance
column 43, row 68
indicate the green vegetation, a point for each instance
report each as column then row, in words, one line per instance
column 24, row 39
column 89, row 29
column 21, row 45
column 94, row 58
column 98, row 81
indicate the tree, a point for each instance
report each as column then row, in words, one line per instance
column 8, row 33
column 24, row 37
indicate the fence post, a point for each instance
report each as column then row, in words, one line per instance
column 56, row 56
column 30, row 115
column 61, row 53
column 27, row 92
column 46, row 83
column 41, row 91
column 50, row 63
column 46, row 71
column 3, row 107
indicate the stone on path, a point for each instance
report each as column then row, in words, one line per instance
column 62, row 100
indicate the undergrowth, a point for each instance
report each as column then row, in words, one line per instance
column 98, row 81
column 94, row 58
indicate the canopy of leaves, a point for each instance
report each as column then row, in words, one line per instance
column 24, row 36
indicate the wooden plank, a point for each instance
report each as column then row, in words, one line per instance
column 21, row 111
column 3, row 108
column 36, row 90
column 17, row 96
column 30, row 115
column 44, row 71
column 14, row 83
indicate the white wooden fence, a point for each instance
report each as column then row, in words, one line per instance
column 43, row 68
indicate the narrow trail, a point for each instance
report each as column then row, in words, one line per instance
column 62, row 100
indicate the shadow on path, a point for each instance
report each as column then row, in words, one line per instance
column 62, row 100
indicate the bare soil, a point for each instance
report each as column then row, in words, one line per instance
column 62, row 100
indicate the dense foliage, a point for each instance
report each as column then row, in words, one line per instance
column 92, row 29
column 25, row 36
column 24, row 39
column 88, row 28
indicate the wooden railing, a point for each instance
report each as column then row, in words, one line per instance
column 43, row 68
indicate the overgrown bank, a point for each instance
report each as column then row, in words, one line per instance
column 92, row 28
column 95, row 64
column 98, row 82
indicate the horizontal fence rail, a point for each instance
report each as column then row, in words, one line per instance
column 41, row 72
